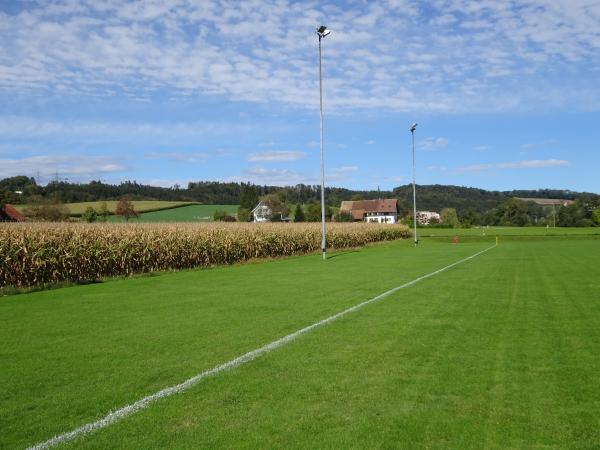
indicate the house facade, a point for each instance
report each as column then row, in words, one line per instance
column 426, row 217
column 378, row 211
column 261, row 213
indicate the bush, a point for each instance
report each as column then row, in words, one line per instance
column 219, row 215
column 90, row 215
column 244, row 215
column 313, row 212
column 47, row 210
column 125, row 209
column 299, row 214
column 344, row 216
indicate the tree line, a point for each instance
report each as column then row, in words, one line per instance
column 471, row 206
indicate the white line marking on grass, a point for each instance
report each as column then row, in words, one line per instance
column 143, row 403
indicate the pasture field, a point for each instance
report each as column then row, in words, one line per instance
column 507, row 231
column 190, row 213
column 77, row 209
column 500, row 351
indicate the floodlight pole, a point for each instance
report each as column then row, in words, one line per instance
column 321, row 33
column 412, row 131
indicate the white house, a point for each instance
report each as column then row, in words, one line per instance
column 379, row 211
column 261, row 213
column 425, row 217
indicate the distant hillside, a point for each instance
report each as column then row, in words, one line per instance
column 21, row 189
column 437, row 196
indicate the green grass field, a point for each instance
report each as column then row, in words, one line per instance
column 498, row 352
column 191, row 213
column 507, row 231
column 76, row 209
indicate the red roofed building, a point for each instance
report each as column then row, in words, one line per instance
column 8, row 213
column 381, row 211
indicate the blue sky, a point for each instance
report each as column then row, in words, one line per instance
column 506, row 93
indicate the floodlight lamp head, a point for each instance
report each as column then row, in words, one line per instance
column 323, row 31
column 413, row 127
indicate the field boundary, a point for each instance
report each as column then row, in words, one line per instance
column 145, row 402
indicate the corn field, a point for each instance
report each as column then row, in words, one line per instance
column 45, row 253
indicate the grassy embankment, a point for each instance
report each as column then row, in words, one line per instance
column 498, row 352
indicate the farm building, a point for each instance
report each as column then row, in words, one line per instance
column 8, row 213
column 426, row 217
column 261, row 213
column 547, row 201
column 381, row 211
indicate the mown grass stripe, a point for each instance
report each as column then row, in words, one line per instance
column 121, row 413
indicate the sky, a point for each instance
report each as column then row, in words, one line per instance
column 506, row 94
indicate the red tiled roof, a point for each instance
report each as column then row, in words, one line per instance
column 358, row 214
column 13, row 214
column 388, row 205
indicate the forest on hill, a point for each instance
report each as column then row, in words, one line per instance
column 472, row 205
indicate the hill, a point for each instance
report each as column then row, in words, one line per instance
column 431, row 197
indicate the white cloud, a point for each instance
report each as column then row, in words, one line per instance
column 343, row 169
column 540, row 144
column 17, row 127
column 276, row 156
column 370, row 142
column 481, row 147
column 274, row 177
column 432, row 143
column 180, row 157
column 530, row 164
column 441, row 58
column 70, row 167
column 341, row 174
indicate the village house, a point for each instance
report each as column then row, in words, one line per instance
column 261, row 213
column 380, row 211
column 426, row 217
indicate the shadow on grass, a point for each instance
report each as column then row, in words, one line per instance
column 337, row 255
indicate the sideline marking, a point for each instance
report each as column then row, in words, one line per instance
column 143, row 403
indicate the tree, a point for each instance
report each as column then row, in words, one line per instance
column 449, row 218
column 90, row 215
column 278, row 208
column 244, row 215
column 344, row 216
column 7, row 196
column 104, row 212
column 469, row 217
column 512, row 212
column 313, row 212
column 219, row 215
column 596, row 217
column 125, row 209
column 299, row 214
column 50, row 210
column 248, row 196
